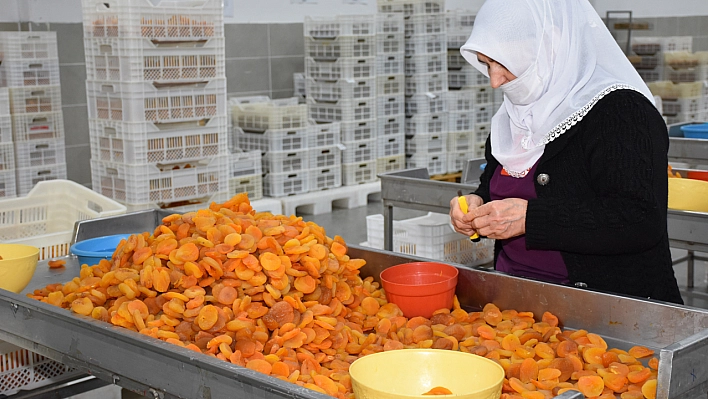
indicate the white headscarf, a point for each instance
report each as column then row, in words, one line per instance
column 564, row 59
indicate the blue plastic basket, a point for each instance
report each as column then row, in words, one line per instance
column 91, row 251
column 697, row 131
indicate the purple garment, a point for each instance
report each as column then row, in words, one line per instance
column 514, row 258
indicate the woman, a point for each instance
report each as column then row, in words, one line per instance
column 575, row 187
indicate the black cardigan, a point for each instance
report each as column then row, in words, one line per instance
column 604, row 203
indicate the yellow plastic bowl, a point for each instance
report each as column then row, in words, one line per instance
column 409, row 373
column 688, row 195
column 17, row 266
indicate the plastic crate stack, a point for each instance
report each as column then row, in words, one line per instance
column 156, row 93
column 278, row 131
column 648, row 55
column 8, row 186
column 683, row 101
column 30, row 70
column 471, row 101
column 341, row 86
column 426, row 81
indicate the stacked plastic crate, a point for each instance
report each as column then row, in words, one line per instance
column 425, row 82
column 30, row 69
column 648, row 55
column 278, row 131
column 340, row 86
column 156, row 93
column 8, row 186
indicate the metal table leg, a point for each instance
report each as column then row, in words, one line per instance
column 388, row 226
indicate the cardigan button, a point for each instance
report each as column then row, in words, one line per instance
column 543, row 179
column 580, row 284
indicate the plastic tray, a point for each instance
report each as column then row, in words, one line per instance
column 343, row 89
column 435, row 163
column 272, row 140
column 16, row 46
column 360, row 130
column 45, row 217
column 251, row 184
column 26, row 370
column 343, row 46
column 5, row 129
column 359, row 151
column 35, row 99
column 143, row 102
column 137, row 59
column 28, row 177
column 392, row 125
column 458, row 142
column 426, row 144
column 391, row 43
column 390, row 164
column 260, row 113
column 144, row 142
column 325, row 157
column 461, row 121
column 342, row 110
column 411, row 7
column 286, row 161
column 391, row 85
column 8, row 184
column 4, row 101
column 285, row 184
column 430, row 102
column 431, row 236
column 341, row 25
column 426, row 83
column 426, row 63
column 391, row 105
column 324, row 134
column 426, row 124
column 148, row 183
column 37, row 153
column 390, row 146
column 325, row 178
column 426, row 44
column 359, row 173
column 166, row 21
column 341, row 68
column 245, row 163
column 23, row 73
column 425, row 24
column 390, row 64
column 37, row 126
column 466, row 77
column 7, row 157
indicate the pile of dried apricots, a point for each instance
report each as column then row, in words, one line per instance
column 274, row 294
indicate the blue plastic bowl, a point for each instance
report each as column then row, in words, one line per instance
column 697, row 131
column 91, row 251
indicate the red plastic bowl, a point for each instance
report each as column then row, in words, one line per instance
column 420, row 288
column 697, row 175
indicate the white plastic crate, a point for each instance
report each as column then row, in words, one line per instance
column 144, row 142
column 651, row 75
column 340, row 25
column 390, row 164
column 147, row 183
column 426, row 63
column 681, row 75
column 389, row 23
column 343, row 46
column 342, row 110
column 457, row 38
column 391, row 105
column 391, row 125
column 435, row 163
column 285, row 184
column 390, row 85
column 431, row 237
column 136, row 59
column 390, row 146
column 390, row 64
column 8, row 184
column 359, row 151
column 29, row 177
column 7, row 156
column 686, row 117
column 461, row 142
column 391, row 43
column 325, row 178
column 35, row 99
column 25, row 370
column 271, row 140
column 324, row 134
column 244, row 163
column 286, row 161
column 359, row 173
column 456, row 160
column 37, row 126
column 340, row 68
column 466, row 77
column 143, row 102
column 426, row 83
column 24, row 73
column 483, row 113
column 15, row 46
column 324, row 157
column 426, row 144
column 425, row 24
column 481, row 132
column 342, row 89
column 299, row 84
column 167, row 21
column 461, row 121
column 677, row 43
column 38, row 153
column 359, row 130
column 426, row 44
column 183, row 206
column 411, row 7
column 645, row 61
column 455, row 60
column 260, row 113
column 460, row 19
column 251, row 184
column 426, row 124
column 5, row 129
column 4, row 101
column 427, row 103
column 45, row 217
column 682, row 105
column 460, row 100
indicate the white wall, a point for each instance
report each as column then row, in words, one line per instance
column 264, row 11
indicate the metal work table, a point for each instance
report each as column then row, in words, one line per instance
column 691, row 151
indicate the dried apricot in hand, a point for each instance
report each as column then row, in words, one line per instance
column 55, row 264
column 439, row 391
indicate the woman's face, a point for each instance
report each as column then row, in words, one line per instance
column 498, row 74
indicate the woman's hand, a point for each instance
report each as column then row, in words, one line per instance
column 457, row 218
column 499, row 219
